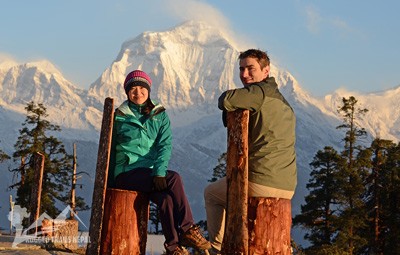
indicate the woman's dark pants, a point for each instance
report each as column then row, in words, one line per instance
column 175, row 213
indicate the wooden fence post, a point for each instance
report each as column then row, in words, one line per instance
column 100, row 185
column 254, row 225
column 236, row 232
column 37, row 188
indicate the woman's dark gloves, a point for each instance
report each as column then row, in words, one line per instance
column 159, row 183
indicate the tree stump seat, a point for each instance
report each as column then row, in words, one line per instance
column 269, row 223
column 126, row 215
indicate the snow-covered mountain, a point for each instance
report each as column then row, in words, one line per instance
column 190, row 65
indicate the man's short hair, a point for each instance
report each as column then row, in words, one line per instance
column 261, row 56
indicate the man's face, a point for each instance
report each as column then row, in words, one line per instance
column 251, row 72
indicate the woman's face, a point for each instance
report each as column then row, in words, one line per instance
column 138, row 94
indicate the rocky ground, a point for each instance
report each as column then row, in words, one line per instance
column 6, row 247
column 154, row 247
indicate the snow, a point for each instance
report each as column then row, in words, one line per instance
column 155, row 245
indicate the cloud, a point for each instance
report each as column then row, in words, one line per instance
column 341, row 25
column 315, row 22
column 314, row 19
column 6, row 57
column 201, row 11
column 7, row 61
column 196, row 10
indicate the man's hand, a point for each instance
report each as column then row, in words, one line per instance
column 159, row 183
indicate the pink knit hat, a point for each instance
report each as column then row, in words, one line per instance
column 137, row 78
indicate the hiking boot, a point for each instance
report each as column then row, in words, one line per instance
column 178, row 251
column 194, row 238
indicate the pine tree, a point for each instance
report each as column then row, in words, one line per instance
column 219, row 170
column 318, row 216
column 390, row 202
column 154, row 218
column 379, row 151
column 352, row 217
column 3, row 156
column 34, row 137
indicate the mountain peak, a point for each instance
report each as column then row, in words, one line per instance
column 199, row 32
column 189, row 64
column 38, row 81
column 44, row 66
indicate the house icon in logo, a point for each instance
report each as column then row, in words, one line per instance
column 47, row 226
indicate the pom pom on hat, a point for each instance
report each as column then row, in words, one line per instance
column 137, row 78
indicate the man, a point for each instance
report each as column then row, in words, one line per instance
column 272, row 157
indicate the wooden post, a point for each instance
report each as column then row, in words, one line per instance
column 37, row 188
column 255, row 225
column 12, row 203
column 73, row 187
column 236, row 233
column 99, row 191
column 126, row 216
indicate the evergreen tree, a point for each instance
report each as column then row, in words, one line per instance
column 379, row 151
column 390, row 202
column 154, row 218
column 319, row 214
column 219, row 170
column 359, row 212
column 34, row 137
column 3, row 156
column 352, row 217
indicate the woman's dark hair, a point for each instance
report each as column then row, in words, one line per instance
column 147, row 107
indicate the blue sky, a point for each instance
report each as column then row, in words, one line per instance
column 326, row 45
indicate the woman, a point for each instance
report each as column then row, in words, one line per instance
column 141, row 150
